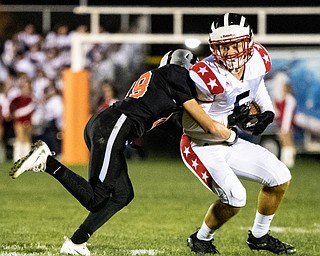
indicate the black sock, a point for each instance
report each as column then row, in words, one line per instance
column 54, row 167
column 80, row 236
column 74, row 183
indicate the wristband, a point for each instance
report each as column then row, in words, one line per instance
column 232, row 138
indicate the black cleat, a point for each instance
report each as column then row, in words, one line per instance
column 201, row 246
column 269, row 243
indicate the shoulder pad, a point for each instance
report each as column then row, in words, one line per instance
column 202, row 74
column 264, row 55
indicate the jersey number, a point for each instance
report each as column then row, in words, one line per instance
column 240, row 97
column 140, row 86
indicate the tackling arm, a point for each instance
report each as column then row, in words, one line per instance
column 218, row 130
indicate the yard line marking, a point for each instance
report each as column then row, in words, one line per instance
column 315, row 228
column 144, row 252
column 21, row 254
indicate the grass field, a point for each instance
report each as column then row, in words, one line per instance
column 36, row 212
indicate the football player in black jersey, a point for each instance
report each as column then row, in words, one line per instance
column 151, row 100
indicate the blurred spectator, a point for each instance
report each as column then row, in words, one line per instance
column 63, row 38
column 12, row 90
column 22, row 64
column 11, row 47
column 4, row 72
column 28, row 36
column 285, row 106
column 40, row 82
column 9, row 92
column 65, row 51
column 81, row 29
column 58, row 38
column 102, row 68
column 53, row 117
column 36, row 55
column 21, row 109
column 2, row 146
column 53, row 63
column 107, row 95
column 129, row 58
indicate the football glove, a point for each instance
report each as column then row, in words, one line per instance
column 249, row 123
column 239, row 114
column 263, row 120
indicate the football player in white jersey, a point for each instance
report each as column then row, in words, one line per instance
column 227, row 82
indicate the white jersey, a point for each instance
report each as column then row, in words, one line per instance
column 218, row 91
column 217, row 166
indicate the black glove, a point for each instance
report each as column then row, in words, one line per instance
column 264, row 119
column 233, row 137
column 249, row 123
column 239, row 114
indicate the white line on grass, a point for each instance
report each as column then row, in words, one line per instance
column 315, row 228
column 144, row 252
column 21, row 254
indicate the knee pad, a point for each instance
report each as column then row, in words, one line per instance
column 232, row 192
column 238, row 196
column 279, row 172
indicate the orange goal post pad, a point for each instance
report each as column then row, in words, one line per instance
column 76, row 114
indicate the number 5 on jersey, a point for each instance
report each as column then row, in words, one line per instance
column 140, row 86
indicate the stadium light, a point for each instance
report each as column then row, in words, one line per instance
column 192, row 43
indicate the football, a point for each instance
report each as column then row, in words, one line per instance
column 254, row 109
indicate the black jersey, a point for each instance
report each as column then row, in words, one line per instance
column 156, row 95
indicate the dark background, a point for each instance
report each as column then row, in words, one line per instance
column 161, row 23
column 212, row 3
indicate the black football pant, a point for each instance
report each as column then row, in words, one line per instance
column 109, row 188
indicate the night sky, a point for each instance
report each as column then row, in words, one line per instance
column 211, row 3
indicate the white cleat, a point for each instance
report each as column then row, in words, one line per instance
column 70, row 248
column 35, row 161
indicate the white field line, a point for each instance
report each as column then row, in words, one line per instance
column 22, row 254
column 315, row 228
column 144, row 252
column 11, row 250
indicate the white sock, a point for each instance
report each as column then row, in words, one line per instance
column 288, row 155
column 205, row 233
column 261, row 224
column 25, row 148
column 17, row 151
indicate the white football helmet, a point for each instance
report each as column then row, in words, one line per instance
column 231, row 28
column 181, row 57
